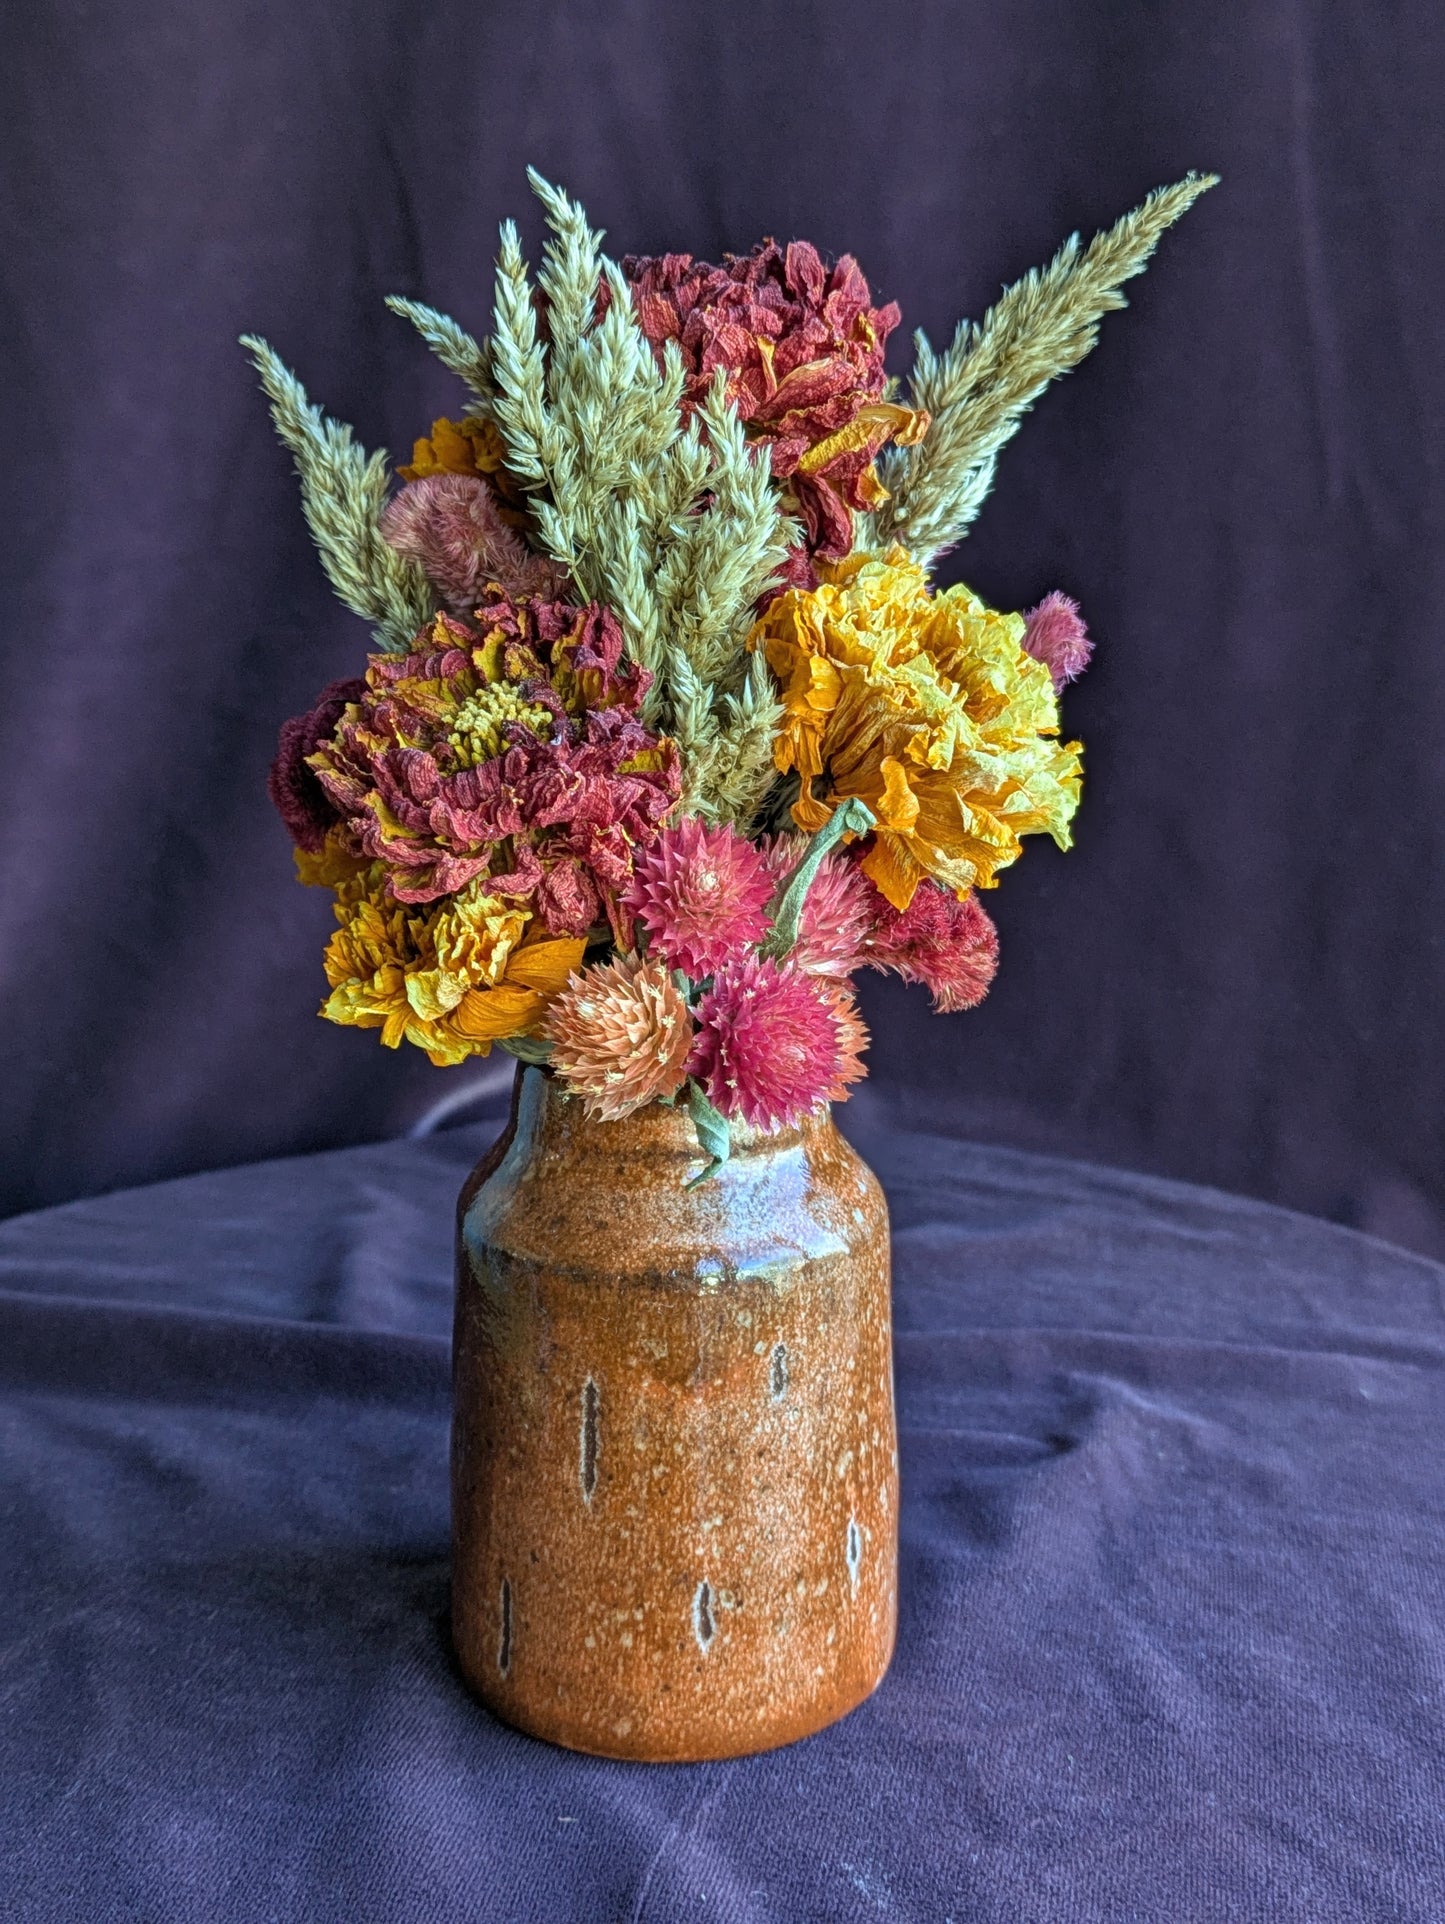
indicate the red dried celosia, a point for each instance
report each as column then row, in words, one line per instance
column 802, row 346
column 774, row 1043
column 299, row 799
column 950, row 946
column 509, row 749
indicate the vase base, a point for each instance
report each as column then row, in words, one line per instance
column 652, row 1738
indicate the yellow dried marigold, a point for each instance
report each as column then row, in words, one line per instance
column 332, row 866
column 452, row 977
column 927, row 708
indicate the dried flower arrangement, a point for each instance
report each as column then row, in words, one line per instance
column 665, row 733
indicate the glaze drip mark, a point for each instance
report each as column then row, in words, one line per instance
column 778, row 1375
column 703, row 1626
column 504, row 1646
column 590, row 1401
column 854, row 1551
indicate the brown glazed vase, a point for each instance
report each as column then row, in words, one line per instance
column 674, row 1462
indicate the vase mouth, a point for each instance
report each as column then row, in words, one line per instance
column 658, row 1129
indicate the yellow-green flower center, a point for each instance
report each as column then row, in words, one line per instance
column 476, row 728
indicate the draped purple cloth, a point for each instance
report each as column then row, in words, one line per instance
column 1235, row 976
column 1173, row 1623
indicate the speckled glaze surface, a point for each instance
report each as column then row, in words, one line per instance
column 674, row 1460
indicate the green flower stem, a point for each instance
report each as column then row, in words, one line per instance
column 713, row 1135
column 786, row 908
column 527, row 1048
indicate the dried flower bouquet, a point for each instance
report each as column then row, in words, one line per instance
column 665, row 733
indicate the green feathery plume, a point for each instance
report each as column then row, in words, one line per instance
column 673, row 524
column 343, row 491
column 981, row 386
column 741, row 771
column 453, row 347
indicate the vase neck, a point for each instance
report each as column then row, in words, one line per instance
column 549, row 1121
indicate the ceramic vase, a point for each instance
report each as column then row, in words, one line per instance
column 674, row 1460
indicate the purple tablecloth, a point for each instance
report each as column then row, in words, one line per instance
column 1173, row 1624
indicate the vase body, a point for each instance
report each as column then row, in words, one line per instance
column 674, row 1461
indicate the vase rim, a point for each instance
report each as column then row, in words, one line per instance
column 542, row 1106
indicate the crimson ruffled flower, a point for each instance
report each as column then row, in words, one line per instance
column 457, row 528
column 773, row 1044
column 510, row 750
column 802, row 346
column 299, row 799
column 701, row 894
column 1054, row 633
column 948, row 945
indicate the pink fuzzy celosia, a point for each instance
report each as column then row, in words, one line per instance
column 772, row 1044
column 1055, row 634
column 621, row 1034
column 701, row 894
column 950, row 946
column 455, row 527
column 838, row 910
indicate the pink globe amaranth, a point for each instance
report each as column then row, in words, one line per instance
column 773, row 1044
column 838, row 911
column 1054, row 633
column 852, row 1035
column 701, row 894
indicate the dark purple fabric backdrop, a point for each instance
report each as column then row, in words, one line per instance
column 1234, row 978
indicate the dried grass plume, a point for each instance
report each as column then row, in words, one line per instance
column 981, row 386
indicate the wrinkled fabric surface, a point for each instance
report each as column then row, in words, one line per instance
column 1173, row 1584
column 1234, row 978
